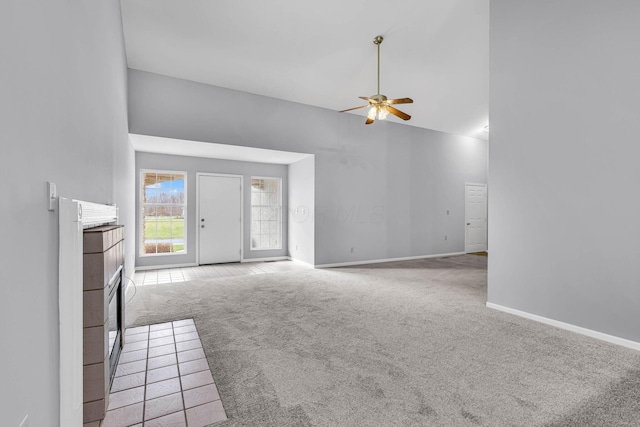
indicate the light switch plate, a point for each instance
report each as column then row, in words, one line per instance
column 53, row 196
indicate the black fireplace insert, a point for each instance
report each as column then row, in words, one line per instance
column 116, row 328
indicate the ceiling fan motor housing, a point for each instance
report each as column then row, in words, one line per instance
column 378, row 98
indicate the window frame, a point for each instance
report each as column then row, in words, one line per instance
column 142, row 205
column 279, row 218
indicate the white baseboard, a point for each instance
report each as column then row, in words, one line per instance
column 306, row 264
column 568, row 326
column 164, row 266
column 273, row 258
column 378, row 261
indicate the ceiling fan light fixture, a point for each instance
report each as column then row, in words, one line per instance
column 383, row 112
column 378, row 111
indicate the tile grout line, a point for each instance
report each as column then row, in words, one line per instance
column 146, row 370
column 184, row 405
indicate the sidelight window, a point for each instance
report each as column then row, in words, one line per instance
column 266, row 213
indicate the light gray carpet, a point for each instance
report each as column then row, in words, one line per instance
column 397, row 344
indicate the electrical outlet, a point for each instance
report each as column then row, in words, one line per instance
column 25, row 421
column 351, row 250
column 447, row 211
column 445, row 237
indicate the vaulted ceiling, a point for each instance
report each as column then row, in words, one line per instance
column 321, row 53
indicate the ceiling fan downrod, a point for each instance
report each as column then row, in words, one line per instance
column 378, row 41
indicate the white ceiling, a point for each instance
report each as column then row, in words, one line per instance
column 182, row 147
column 321, row 53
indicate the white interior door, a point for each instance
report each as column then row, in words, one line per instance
column 475, row 196
column 219, row 218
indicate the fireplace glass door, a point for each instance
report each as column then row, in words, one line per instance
column 115, row 316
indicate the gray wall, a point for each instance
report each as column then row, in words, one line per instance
column 382, row 190
column 63, row 116
column 301, row 210
column 563, row 204
column 191, row 165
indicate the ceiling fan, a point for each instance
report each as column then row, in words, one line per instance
column 380, row 105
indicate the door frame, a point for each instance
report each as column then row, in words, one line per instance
column 225, row 175
column 486, row 212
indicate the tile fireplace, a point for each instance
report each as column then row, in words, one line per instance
column 103, row 323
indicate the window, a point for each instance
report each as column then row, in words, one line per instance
column 163, row 210
column 266, row 213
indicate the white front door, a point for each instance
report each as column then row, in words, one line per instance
column 475, row 197
column 219, row 218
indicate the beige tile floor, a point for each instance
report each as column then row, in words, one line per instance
column 216, row 271
column 163, row 379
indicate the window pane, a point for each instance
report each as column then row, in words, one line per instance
column 163, row 179
column 255, row 213
column 150, row 229
column 149, row 223
column 150, row 195
column 150, row 187
column 272, row 214
column 150, row 248
column 177, row 189
column 177, row 229
column 257, row 184
column 264, row 214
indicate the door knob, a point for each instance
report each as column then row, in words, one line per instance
column 468, row 223
column 202, row 226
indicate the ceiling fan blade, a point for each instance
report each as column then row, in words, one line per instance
column 400, row 101
column 369, row 121
column 398, row 113
column 367, row 99
column 355, row 108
